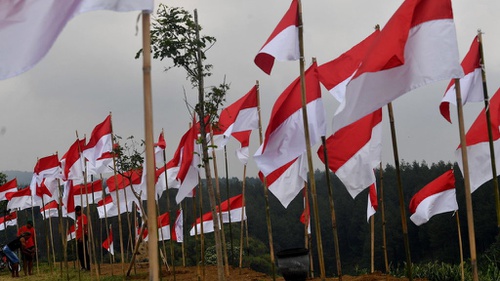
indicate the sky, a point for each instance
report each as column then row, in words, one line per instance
column 91, row 71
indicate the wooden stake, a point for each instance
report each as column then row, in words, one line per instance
column 402, row 206
column 468, row 197
column 382, row 211
column 242, row 225
column 460, row 247
column 229, row 204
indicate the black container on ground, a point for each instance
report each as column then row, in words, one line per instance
column 294, row 263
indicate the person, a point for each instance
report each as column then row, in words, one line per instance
column 14, row 245
column 28, row 255
column 81, row 229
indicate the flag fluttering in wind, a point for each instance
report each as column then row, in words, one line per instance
column 108, row 243
column 283, row 44
column 372, row 207
column 71, row 233
column 50, row 210
column 72, row 162
column 20, row 199
column 127, row 185
column 8, row 220
column 471, row 85
column 478, row 149
column 160, row 147
column 100, row 141
column 417, row 46
column 163, row 227
column 91, row 192
column 436, row 197
column 10, row 186
column 178, row 233
column 233, row 207
column 284, row 140
column 354, row 151
column 33, row 26
column 106, row 208
column 305, row 217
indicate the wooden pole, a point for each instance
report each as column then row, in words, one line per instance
column 402, row 205
column 468, row 197
column 460, row 247
column 332, row 210
column 382, row 211
column 229, row 204
column 488, row 122
column 242, row 225
column 372, row 243
column 312, row 182
column 266, row 196
column 202, row 232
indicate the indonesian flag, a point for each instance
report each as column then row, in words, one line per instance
column 241, row 116
column 46, row 191
column 46, row 173
column 10, row 186
column 243, row 153
column 335, row 74
column 20, row 199
column 164, row 227
column 354, row 151
column 160, row 182
column 50, row 210
column 178, row 233
column 305, row 217
column 48, row 167
column 100, row 142
column 145, row 234
column 108, row 243
column 29, row 28
column 436, row 197
column 106, row 208
column 471, row 85
column 287, row 181
column 187, row 174
column 372, row 202
column 284, row 140
column 160, row 147
column 8, row 220
column 69, row 199
column 417, row 46
column 478, row 149
column 92, row 191
column 283, row 44
column 126, row 195
column 232, row 208
column 103, row 165
column 71, row 233
column 72, row 162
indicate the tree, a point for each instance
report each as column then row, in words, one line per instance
column 175, row 34
column 3, row 178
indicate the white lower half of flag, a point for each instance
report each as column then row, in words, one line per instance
column 187, row 186
column 430, row 55
column 370, row 211
column 12, row 222
column 479, row 159
column 208, row 225
column 107, row 211
column 471, row 89
column 357, row 172
column 127, row 199
column 164, row 233
column 111, row 248
column 243, row 154
column 290, row 182
column 50, row 213
column 179, row 227
column 287, row 142
column 20, row 203
column 438, row 203
column 285, row 45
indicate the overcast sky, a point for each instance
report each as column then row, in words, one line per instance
column 91, row 71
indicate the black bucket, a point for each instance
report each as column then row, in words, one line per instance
column 294, row 264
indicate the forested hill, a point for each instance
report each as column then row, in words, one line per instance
column 436, row 241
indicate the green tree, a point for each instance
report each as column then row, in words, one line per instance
column 3, row 178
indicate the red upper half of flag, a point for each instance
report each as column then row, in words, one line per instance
column 161, row 141
column 387, row 50
column 478, row 131
column 91, row 187
column 444, row 182
column 332, row 73
column 72, row 155
column 290, row 101
column 229, row 114
column 347, row 141
column 8, row 217
column 122, row 181
column 46, row 163
column 471, row 61
column 107, row 200
column 188, row 151
column 41, row 189
column 101, row 130
column 20, row 193
column 163, row 220
column 51, row 205
column 10, row 185
column 373, row 196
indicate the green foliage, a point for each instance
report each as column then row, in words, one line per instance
column 3, row 178
column 128, row 156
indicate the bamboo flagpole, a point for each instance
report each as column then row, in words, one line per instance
column 402, row 209
column 229, row 204
column 382, row 212
column 460, row 247
column 242, row 225
column 312, row 182
column 332, row 210
column 488, row 122
column 154, row 268
column 266, row 195
column 468, row 197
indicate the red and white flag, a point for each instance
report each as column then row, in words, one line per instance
column 178, row 233
column 103, row 165
column 8, row 220
column 354, row 151
column 232, row 208
column 108, row 243
column 160, row 147
column 44, row 181
column 471, row 85
column 243, row 153
column 10, row 186
column 100, row 142
column 46, row 191
column 436, row 197
column 372, row 202
column 126, row 192
column 33, row 26
column 72, row 162
column 283, row 44
column 335, row 74
column 284, row 139
column 50, row 210
column 286, row 182
column 164, row 227
column 91, row 192
column 417, row 46
column 305, row 217
column 71, row 233
column 48, row 167
column 478, row 148
column 20, row 199
column 106, row 208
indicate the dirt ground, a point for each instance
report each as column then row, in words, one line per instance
column 235, row 274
